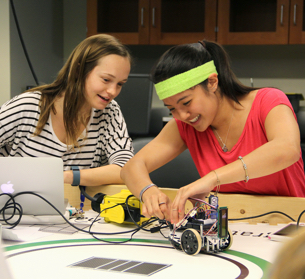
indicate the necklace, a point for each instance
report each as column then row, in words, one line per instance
column 224, row 147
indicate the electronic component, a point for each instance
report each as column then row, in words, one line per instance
column 213, row 200
column 204, row 228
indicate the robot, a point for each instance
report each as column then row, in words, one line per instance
column 204, row 228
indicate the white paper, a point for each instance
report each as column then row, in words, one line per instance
column 21, row 233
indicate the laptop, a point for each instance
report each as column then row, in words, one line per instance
column 43, row 176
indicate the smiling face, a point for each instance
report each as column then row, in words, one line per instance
column 196, row 107
column 105, row 81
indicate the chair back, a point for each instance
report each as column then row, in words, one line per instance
column 176, row 173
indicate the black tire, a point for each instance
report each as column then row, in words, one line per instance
column 191, row 242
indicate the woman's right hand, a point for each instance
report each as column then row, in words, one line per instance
column 156, row 204
column 198, row 189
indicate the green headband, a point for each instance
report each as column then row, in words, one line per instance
column 184, row 81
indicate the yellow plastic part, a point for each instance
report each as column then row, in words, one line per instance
column 117, row 214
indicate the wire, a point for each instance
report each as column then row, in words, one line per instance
column 83, row 191
column 11, row 204
column 93, row 199
column 253, row 217
column 130, row 215
column 124, row 241
column 12, row 197
column 15, row 206
column 100, row 239
column 298, row 222
column 22, row 42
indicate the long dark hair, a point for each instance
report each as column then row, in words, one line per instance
column 181, row 58
column 71, row 81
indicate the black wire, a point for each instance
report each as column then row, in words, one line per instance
column 83, row 191
column 100, row 239
column 130, row 215
column 257, row 216
column 71, row 224
column 17, row 207
column 298, row 222
column 151, row 220
column 124, row 241
column 11, row 205
column 167, row 226
column 116, row 242
column 22, row 42
column 133, row 231
column 236, row 219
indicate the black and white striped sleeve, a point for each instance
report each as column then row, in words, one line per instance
column 119, row 147
column 9, row 119
column 17, row 117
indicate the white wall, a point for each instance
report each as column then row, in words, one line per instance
column 5, row 78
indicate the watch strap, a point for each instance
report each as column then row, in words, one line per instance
column 76, row 176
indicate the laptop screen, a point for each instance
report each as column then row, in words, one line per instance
column 43, row 176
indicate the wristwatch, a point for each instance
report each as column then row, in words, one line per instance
column 76, row 176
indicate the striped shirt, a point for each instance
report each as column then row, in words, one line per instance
column 105, row 140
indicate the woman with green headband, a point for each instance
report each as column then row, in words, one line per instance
column 242, row 139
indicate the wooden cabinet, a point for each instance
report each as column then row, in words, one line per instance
column 170, row 22
column 182, row 21
column 297, row 22
column 261, row 22
column 117, row 17
column 161, row 22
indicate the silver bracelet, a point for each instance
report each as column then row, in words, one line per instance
column 245, row 168
column 144, row 189
column 218, row 182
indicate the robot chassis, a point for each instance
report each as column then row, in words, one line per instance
column 204, row 228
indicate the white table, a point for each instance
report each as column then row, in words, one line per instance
column 53, row 255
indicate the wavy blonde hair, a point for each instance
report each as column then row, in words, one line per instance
column 71, row 81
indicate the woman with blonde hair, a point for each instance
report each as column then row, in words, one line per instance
column 75, row 117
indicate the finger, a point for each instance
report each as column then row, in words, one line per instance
column 144, row 211
column 152, row 207
column 174, row 215
column 157, row 209
column 174, row 211
column 178, row 207
column 162, row 209
column 148, row 207
column 165, row 209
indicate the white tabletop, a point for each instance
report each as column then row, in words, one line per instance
column 52, row 255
